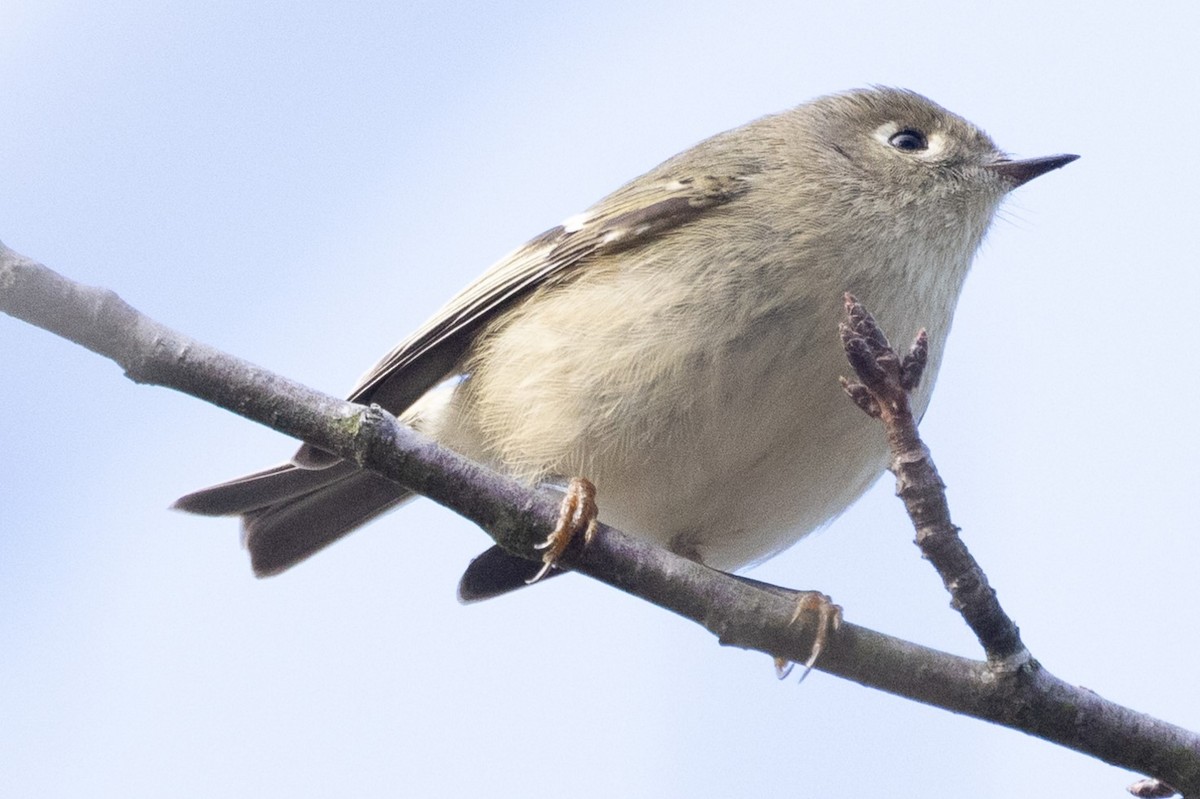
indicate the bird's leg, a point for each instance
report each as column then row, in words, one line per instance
column 577, row 514
column 828, row 619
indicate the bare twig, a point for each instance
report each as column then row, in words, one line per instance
column 887, row 380
column 883, row 393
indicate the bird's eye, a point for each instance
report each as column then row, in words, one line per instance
column 908, row 140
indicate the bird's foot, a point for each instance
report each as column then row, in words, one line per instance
column 577, row 515
column 828, row 620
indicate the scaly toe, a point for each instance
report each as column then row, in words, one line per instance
column 577, row 514
column 828, row 621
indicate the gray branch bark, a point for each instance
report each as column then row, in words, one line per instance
column 1010, row 688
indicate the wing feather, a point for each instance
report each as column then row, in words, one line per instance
column 626, row 219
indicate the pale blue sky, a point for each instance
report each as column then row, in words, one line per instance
column 303, row 183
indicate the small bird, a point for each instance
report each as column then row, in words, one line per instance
column 676, row 343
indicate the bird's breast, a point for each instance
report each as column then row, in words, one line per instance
column 710, row 422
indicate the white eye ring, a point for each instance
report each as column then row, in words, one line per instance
column 895, row 136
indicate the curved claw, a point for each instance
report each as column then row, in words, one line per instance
column 828, row 621
column 578, row 513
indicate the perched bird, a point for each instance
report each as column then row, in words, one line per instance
column 676, row 343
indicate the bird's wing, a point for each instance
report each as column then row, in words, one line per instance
column 626, row 219
column 623, row 221
column 647, row 208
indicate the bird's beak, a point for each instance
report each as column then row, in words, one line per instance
column 1017, row 173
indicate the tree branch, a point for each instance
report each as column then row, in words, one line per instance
column 1010, row 689
column 887, row 380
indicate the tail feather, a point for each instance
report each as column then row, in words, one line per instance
column 281, row 535
column 261, row 489
column 288, row 513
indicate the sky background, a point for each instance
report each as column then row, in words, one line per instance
column 302, row 184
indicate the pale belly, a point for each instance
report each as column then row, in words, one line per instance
column 723, row 443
